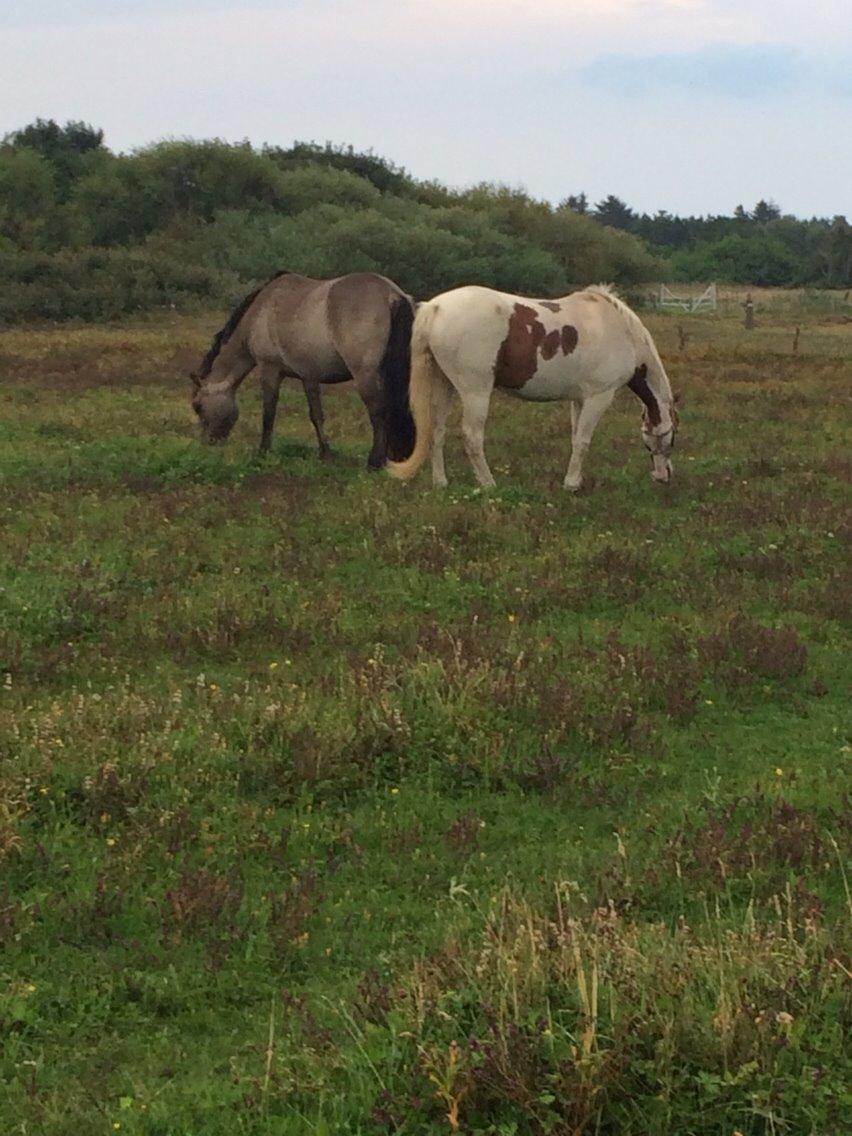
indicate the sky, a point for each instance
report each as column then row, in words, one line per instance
column 693, row 106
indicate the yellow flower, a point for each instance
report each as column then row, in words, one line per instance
column 110, row 841
column 272, row 666
column 44, row 790
column 779, row 772
column 394, row 791
column 511, row 618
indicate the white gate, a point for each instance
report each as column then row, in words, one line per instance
column 706, row 302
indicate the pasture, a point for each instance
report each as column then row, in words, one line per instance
column 334, row 805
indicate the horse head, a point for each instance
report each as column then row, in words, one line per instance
column 659, row 439
column 215, row 408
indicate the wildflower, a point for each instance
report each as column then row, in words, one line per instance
column 708, row 701
column 511, row 618
column 394, row 791
column 784, row 1019
column 110, row 842
column 31, row 988
column 779, row 772
column 272, row 666
column 44, row 790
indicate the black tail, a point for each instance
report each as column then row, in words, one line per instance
column 395, row 371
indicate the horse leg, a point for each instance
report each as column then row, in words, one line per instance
column 368, row 383
column 474, row 415
column 270, row 384
column 575, row 414
column 442, row 397
column 312, row 393
column 590, row 412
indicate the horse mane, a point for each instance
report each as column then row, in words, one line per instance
column 607, row 291
column 230, row 326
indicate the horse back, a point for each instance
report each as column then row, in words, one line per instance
column 324, row 330
column 540, row 350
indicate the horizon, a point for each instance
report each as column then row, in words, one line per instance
column 686, row 106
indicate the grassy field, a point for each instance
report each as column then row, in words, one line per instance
column 331, row 805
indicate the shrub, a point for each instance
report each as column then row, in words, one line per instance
column 95, row 284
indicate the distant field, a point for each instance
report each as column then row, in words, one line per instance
column 789, row 305
column 331, row 805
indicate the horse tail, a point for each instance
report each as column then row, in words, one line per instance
column 424, row 373
column 395, row 369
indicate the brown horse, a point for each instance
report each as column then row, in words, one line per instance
column 319, row 331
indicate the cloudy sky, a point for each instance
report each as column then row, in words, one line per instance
column 687, row 105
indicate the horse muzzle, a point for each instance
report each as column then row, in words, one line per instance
column 662, row 469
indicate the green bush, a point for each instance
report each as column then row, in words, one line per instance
column 424, row 250
column 97, row 284
column 130, row 197
column 758, row 258
column 28, row 202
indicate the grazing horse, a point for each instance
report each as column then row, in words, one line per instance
column 583, row 348
column 319, row 331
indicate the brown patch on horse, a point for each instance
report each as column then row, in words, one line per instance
column 569, row 339
column 551, row 305
column 517, row 355
column 550, row 344
column 639, row 385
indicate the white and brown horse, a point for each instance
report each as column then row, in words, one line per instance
column 583, row 348
column 320, row 331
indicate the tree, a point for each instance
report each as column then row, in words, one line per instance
column 384, row 175
column 71, row 149
column 765, row 211
column 576, row 202
column 614, row 212
column 27, row 197
column 839, row 253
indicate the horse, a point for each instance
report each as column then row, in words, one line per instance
column 319, row 331
column 583, row 347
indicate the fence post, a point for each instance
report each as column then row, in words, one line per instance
column 749, row 312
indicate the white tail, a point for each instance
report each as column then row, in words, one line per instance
column 424, row 372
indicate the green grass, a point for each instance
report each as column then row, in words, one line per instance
column 330, row 805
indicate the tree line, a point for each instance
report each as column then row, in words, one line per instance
column 91, row 234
